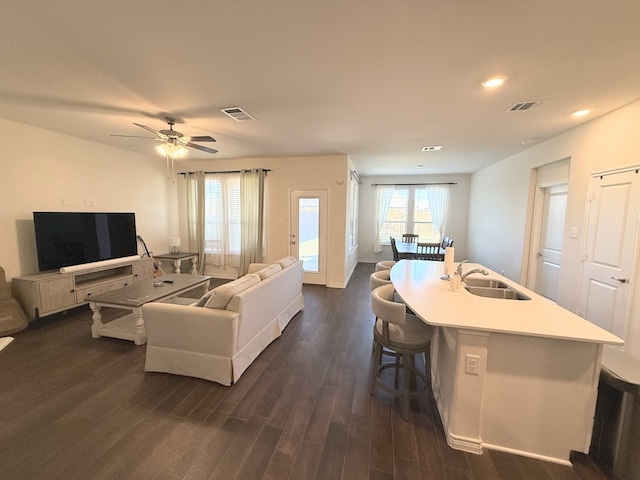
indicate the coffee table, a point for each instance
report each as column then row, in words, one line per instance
column 131, row 326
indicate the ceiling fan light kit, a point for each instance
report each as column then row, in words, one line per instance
column 173, row 144
column 172, row 150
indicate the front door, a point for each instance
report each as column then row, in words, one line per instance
column 308, row 233
column 610, row 254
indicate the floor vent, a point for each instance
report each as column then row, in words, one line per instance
column 238, row 114
column 521, row 106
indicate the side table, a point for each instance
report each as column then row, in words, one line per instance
column 177, row 258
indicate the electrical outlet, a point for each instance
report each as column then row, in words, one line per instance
column 472, row 364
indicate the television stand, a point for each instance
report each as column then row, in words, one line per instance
column 47, row 293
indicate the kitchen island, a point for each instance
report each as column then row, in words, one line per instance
column 519, row 376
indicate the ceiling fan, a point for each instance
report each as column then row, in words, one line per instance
column 174, row 143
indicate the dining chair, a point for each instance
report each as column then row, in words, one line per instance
column 446, row 242
column 409, row 238
column 394, row 249
column 404, row 335
column 429, row 251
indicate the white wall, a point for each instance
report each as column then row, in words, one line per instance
column 456, row 226
column 500, row 200
column 351, row 256
column 291, row 173
column 40, row 168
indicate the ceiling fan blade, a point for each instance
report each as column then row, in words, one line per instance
column 132, row 136
column 200, row 147
column 203, row 138
column 150, row 129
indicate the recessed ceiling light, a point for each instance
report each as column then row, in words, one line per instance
column 431, row 148
column 494, row 82
column 420, row 166
column 581, row 113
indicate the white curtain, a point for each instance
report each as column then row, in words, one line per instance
column 226, row 218
column 195, row 212
column 251, row 217
column 383, row 202
column 438, row 196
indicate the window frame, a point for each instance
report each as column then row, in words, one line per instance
column 409, row 222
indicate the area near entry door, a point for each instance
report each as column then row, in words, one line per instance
column 308, row 233
column 609, row 256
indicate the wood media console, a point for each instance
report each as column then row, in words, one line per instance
column 52, row 292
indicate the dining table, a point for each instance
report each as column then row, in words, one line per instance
column 407, row 250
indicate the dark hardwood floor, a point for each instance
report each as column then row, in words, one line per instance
column 74, row 407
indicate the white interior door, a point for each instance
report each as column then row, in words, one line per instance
column 549, row 255
column 308, row 233
column 610, row 251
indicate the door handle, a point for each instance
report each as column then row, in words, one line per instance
column 620, row 279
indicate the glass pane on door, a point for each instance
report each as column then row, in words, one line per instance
column 308, row 233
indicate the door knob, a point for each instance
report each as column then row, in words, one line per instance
column 539, row 254
column 620, row 279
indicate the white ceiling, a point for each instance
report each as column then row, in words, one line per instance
column 376, row 80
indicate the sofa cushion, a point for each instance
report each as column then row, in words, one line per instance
column 286, row 261
column 224, row 293
column 269, row 270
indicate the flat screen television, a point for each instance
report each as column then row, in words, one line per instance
column 64, row 239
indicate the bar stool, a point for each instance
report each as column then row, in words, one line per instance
column 385, row 265
column 379, row 278
column 403, row 334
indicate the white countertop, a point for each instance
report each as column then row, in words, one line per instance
column 419, row 285
column 623, row 366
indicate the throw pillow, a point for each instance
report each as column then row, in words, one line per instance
column 286, row 261
column 204, row 299
column 223, row 294
column 269, row 270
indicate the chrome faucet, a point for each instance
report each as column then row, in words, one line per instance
column 459, row 269
column 475, row 270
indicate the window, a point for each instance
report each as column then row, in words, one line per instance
column 222, row 218
column 409, row 212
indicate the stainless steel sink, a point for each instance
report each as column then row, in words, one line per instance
column 484, row 282
column 506, row 293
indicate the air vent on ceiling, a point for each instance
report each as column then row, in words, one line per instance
column 431, row 148
column 238, row 114
column 521, row 106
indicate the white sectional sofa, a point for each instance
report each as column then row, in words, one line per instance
column 220, row 335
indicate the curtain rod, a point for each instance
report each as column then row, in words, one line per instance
column 411, row 184
column 229, row 171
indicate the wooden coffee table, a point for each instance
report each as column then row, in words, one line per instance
column 131, row 326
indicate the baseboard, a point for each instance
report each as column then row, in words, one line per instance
column 4, row 341
column 545, row 458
